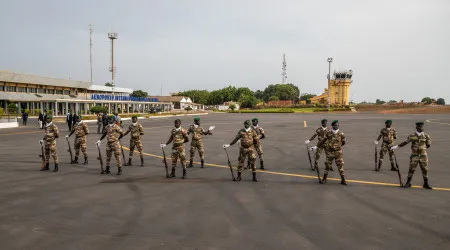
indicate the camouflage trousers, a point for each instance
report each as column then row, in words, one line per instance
column 99, row 127
column 246, row 153
column 135, row 143
column 386, row 148
column 259, row 150
column 178, row 152
column 113, row 147
column 80, row 142
column 197, row 145
column 50, row 149
column 338, row 157
column 319, row 151
column 422, row 160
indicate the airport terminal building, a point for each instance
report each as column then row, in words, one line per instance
column 61, row 96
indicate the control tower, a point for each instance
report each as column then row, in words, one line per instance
column 339, row 87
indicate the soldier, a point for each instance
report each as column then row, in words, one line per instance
column 261, row 135
column 179, row 136
column 114, row 133
column 389, row 135
column 248, row 138
column 137, row 131
column 99, row 122
column 420, row 141
column 81, row 130
column 335, row 139
column 196, row 142
column 320, row 133
column 51, row 133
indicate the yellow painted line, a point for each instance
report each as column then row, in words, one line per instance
column 304, row 124
column 305, row 176
column 21, row 133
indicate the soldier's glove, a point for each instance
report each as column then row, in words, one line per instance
column 376, row 142
column 98, row 142
column 67, row 137
column 41, row 142
column 307, row 141
column 162, row 145
column 394, row 147
column 313, row 148
column 226, row 145
column 211, row 128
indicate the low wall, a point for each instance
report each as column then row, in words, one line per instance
column 9, row 125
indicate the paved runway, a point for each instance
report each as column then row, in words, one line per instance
column 77, row 208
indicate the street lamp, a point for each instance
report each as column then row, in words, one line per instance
column 330, row 60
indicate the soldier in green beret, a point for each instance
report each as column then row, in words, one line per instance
column 137, row 131
column 51, row 134
column 334, row 140
column 420, row 141
column 389, row 135
column 196, row 143
column 320, row 133
column 261, row 135
column 114, row 133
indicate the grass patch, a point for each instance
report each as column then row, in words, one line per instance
column 282, row 110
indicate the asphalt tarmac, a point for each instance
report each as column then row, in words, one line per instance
column 77, row 208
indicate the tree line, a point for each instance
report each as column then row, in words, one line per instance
column 425, row 100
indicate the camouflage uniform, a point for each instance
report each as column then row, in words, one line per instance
column 178, row 147
column 258, row 147
column 113, row 132
column 333, row 150
column 135, row 138
column 196, row 142
column 51, row 133
column 81, row 130
column 419, row 144
column 388, row 135
column 248, row 139
column 320, row 133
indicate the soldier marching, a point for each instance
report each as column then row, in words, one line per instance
column 81, row 131
column 196, row 142
column 137, row 131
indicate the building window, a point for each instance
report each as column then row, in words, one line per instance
column 10, row 88
column 59, row 92
column 51, row 91
column 31, row 90
column 21, row 89
column 41, row 90
column 66, row 92
column 2, row 87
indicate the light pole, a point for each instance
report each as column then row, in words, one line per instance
column 330, row 60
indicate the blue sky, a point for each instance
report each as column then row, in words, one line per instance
column 397, row 49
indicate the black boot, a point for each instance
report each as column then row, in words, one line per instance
column 142, row 161
column 172, row 174
column 379, row 166
column 343, row 182
column 254, row 177
column 106, row 171
column 46, row 167
column 262, row 165
column 408, row 183
column 324, row 179
column 75, row 160
column 190, row 164
column 203, row 163
column 239, row 176
column 56, row 168
column 129, row 161
column 393, row 168
column 85, row 160
column 119, row 171
column 425, row 183
column 184, row 173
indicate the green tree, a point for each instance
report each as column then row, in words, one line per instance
column 282, row 91
column 188, row 108
column 139, row 93
column 427, row 100
column 108, row 84
column 243, row 91
column 379, row 102
column 259, row 94
column 440, row 101
column 274, row 98
column 248, row 101
column 2, row 111
column 232, row 107
column 12, row 108
column 197, row 96
column 98, row 109
column 306, row 97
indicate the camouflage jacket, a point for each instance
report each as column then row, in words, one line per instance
column 197, row 132
column 320, row 133
column 80, row 129
column 419, row 143
column 247, row 138
column 259, row 131
column 136, row 131
column 333, row 141
column 388, row 135
column 51, row 133
column 113, row 132
column 178, row 136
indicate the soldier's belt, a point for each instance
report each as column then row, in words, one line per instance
column 176, row 145
column 420, row 155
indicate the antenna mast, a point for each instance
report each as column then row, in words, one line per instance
column 90, row 47
column 283, row 73
column 112, row 36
